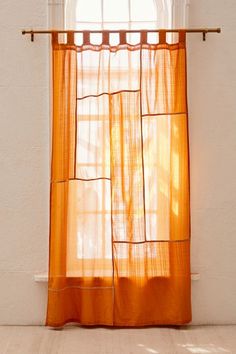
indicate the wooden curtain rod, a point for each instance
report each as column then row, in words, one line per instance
column 204, row 31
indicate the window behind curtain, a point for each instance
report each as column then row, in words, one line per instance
column 93, row 132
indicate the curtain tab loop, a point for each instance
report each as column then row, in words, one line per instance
column 162, row 37
column 54, row 37
column 122, row 37
column 182, row 36
column 70, row 38
column 86, row 37
column 105, row 37
column 143, row 37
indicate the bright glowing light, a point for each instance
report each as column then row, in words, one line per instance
column 204, row 349
column 176, row 170
column 175, row 208
column 150, row 350
column 198, row 350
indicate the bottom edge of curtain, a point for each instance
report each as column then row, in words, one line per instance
column 117, row 325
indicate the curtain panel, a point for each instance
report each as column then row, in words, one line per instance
column 119, row 220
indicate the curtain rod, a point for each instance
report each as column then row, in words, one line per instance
column 204, row 31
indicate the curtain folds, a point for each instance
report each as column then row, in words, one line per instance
column 119, row 223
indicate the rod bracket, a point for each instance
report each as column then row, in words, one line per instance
column 32, row 36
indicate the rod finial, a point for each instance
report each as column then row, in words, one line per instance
column 30, row 32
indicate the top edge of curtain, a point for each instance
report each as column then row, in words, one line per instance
column 123, row 43
column 130, row 47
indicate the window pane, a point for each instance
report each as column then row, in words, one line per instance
column 89, row 10
column 143, row 10
column 116, row 10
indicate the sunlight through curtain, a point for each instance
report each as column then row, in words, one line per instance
column 119, row 231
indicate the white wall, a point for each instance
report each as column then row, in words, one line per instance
column 24, row 154
column 24, row 161
column 212, row 120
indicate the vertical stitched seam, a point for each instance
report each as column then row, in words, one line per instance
column 76, row 123
column 141, row 124
column 112, row 244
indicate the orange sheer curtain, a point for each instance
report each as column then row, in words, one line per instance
column 119, row 230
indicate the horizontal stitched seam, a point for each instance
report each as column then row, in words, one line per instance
column 162, row 114
column 82, row 287
column 107, row 93
column 148, row 241
column 80, row 179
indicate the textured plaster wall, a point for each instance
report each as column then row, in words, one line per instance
column 24, row 161
column 212, row 121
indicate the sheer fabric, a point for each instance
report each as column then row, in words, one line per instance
column 119, row 233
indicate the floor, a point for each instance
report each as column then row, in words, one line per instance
column 71, row 340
